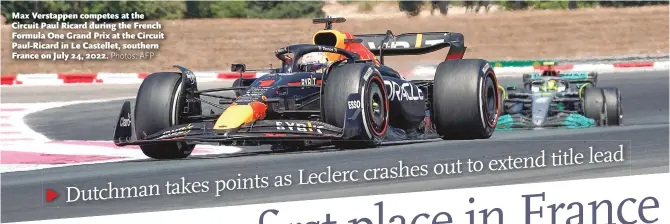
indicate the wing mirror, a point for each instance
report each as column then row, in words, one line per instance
column 238, row 68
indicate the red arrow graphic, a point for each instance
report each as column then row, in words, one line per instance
column 51, row 195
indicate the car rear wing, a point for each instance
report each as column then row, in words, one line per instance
column 415, row 43
column 580, row 80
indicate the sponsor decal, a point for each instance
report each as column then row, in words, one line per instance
column 281, row 74
column 298, row 126
column 245, row 99
column 486, row 67
column 404, row 92
column 308, row 81
column 176, row 132
column 368, row 73
column 256, row 91
column 125, row 122
column 354, row 104
column 403, row 44
column 542, row 99
column 328, row 49
column 190, row 76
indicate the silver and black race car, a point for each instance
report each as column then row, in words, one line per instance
column 355, row 102
column 550, row 100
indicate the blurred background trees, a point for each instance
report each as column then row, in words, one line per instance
column 277, row 9
column 412, row 8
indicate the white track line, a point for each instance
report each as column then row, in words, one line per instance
column 14, row 127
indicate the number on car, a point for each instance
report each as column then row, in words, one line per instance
column 308, row 81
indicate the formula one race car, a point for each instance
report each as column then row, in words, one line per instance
column 354, row 102
column 552, row 100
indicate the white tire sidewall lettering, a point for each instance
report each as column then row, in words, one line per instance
column 366, row 77
column 481, row 85
column 174, row 116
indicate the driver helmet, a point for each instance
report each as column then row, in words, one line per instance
column 550, row 85
column 313, row 62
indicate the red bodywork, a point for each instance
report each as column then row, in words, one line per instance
column 549, row 71
column 552, row 70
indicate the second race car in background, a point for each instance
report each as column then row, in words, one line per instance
column 551, row 98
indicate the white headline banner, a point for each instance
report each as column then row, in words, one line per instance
column 619, row 200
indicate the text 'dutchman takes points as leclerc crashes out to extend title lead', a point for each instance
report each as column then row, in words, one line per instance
column 330, row 175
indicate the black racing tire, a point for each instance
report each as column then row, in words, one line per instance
column 466, row 100
column 593, row 104
column 593, row 78
column 238, row 83
column 244, row 82
column 241, row 83
column 155, row 110
column 348, row 79
column 613, row 107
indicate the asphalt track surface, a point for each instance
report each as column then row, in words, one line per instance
column 644, row 138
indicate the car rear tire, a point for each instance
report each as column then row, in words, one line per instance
column 349, row 79
column 593, row 78
column 593, row 104
column 246, row 82
column 465, row 100
column 156, row 107
column 238, row 83
column 613, row 107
